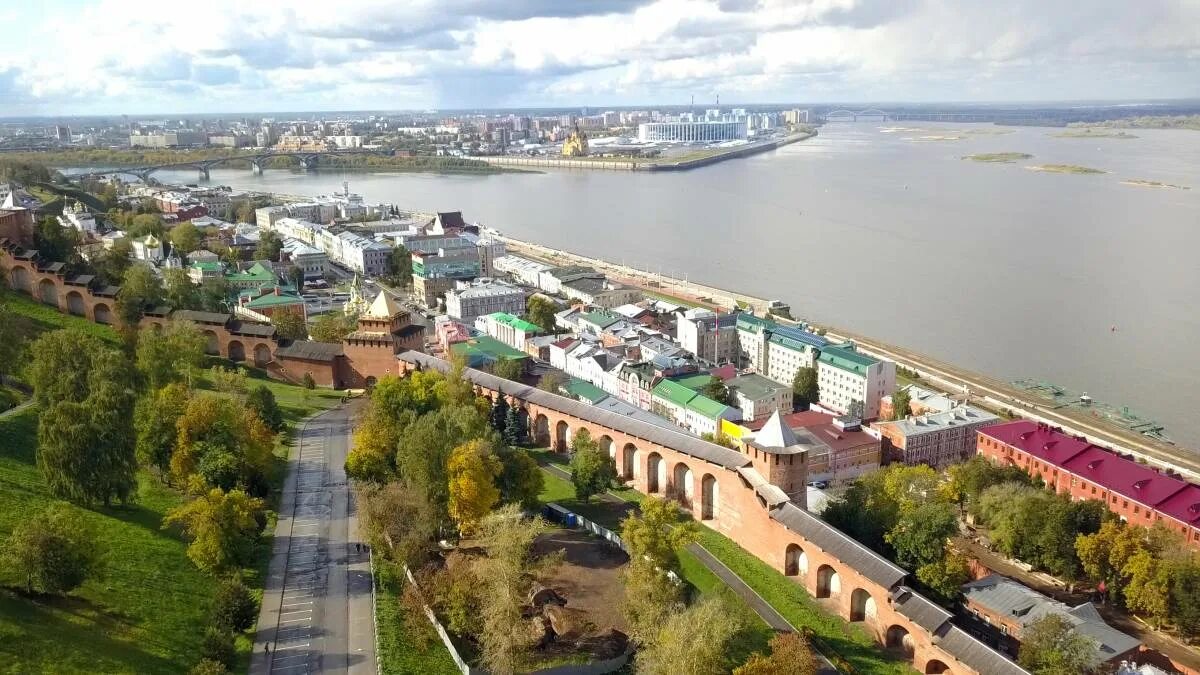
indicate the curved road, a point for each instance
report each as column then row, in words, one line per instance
column 317, row 609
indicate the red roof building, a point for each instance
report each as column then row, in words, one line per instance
column 838, row 454
column 1137, row 493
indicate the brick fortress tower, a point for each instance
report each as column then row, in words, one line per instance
column 384, row 331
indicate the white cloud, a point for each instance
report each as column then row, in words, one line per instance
column 154, row 56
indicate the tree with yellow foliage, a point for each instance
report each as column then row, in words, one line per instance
column 472, row 470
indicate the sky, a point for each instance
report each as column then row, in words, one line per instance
column 82, row 57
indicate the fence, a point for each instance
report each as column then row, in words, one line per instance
column 441, row 630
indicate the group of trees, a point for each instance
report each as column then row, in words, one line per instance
column 907, row 514
column 592, row 469
column 1038, row 526
column 429, row 433
column 1149, row 571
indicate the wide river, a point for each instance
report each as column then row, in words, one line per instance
column 1008, row 271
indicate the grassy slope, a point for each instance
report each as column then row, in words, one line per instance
column 836, row 636
column 144, row 615
column 148, row 611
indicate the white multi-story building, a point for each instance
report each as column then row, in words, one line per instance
column 692, row 132
column 711, row 337
column 299, row 229
column 511, row 330
column 470, row 300
column 362, row 255
column 844, row 376
column 522, row 270
column 312, row 261
column 774, row 350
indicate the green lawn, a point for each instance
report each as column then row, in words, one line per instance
column 145, row 614
column 406, row 647
column 148, row 612
column 34, row 318
column 833, row 635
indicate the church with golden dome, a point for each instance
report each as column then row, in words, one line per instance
column 576, row 144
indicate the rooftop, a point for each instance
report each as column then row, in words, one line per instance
column 963, row 415
column 846, row 357
column 1024, row 605
column 1169, row 495
column 514, row 322
column 754, row 386
column 584, row 391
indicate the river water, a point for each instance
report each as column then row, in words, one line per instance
column 1007, row 271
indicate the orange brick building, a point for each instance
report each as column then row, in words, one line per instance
column 1137, row 493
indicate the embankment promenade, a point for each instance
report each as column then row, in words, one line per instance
column 983, row 390
column 631, row 164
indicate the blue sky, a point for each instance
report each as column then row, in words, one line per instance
column 66, row 57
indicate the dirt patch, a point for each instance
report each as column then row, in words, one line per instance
column 589, row 577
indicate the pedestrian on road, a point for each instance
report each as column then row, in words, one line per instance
column 357, row 547
column 267, row 648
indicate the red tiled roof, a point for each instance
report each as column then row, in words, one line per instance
column 563, row 343
column 1184, row 505
column 1038, row 440
column 821, row 426
column 1169, row 495
column 1123, row 476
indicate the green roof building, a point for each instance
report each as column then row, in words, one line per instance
column 486, row 350
column 847, row 378
column 696, row 413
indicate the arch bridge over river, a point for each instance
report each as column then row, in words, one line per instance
column 306, row 159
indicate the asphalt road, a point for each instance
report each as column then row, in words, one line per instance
column 317, row 612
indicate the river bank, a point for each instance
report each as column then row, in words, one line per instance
column 983, row 390
column 682, row 163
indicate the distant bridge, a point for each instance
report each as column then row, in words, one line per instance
column 307, row 160
column 873, row 114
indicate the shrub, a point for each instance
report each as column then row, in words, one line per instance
column 218, row 646
column 234, row 608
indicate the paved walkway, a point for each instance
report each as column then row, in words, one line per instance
column 16, row 409
column 317, row 611
column 735, row 583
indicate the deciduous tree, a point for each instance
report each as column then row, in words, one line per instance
column 234, row 608
column 400, row 521
column 592, row 470
column 85, row 429
column 919, row 537
column 180, row 292
column 540, row 310
column 222, row 527
column 716, row 390
column 54, row 551
column 901, row 404
column 945, row 577
column 332, row 327
column 506, row 575
column 269, row 246
column 552, row 381
column 1149, row 588
column 509, row 369
column 657, row 533
column 260, row 400
column 520, row 480
column 185, row 237
column 169, row 355
column 693, row 642
column 139, row 289
column 1050, row 646
column 790, row 655
column 805, row 390
column 290, row 325
column 472, row 470
column 154, row 420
